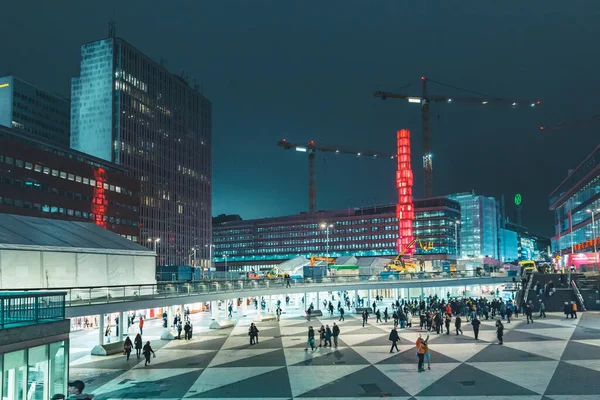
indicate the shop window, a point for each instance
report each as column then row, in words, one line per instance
column 37, row 372
column 58, row 368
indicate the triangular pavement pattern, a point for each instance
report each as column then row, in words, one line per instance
column 180, row 359
column 406, row 376
column 227, row 356
column 295, row 356
column 353, row 340
column 305, row 379
column 486, row 336
column 410, row 357
column 580, row 351
column 237, row 342
column 551, row 349
column 213, row 378
column 558, row 333
column 590, row 364
column 271, row 359
column 365, row 382
column 591, row 342
column 532, row 375
column 497, row 353
column 465, row 380
column 341, row 356
column 570, row 380
column 460, row 352
column 376, row 354
column 247, row 387
column 524, row 336
column 294, row 331
column 585, row 333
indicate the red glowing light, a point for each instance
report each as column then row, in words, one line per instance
column 423, row 78
column 99, row 197
column 404, row 182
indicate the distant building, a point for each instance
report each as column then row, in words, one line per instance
column 42, row 180
column 576, row 206
column 362, row 232
column 517, row 244
column 37, row 113
column 478, row 225
column 222, row 218
column 130, row 110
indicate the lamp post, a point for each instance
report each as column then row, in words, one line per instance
column 225, row 256
column 210, row 262
column 327, row 227
column 155, row 240
column 455, row 223
column 594, row 228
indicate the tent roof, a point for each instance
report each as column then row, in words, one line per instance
column 31, row 233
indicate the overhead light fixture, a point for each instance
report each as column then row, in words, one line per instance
column 414, row 100
column 302, row 149
column 449, row 100
column 484, row 102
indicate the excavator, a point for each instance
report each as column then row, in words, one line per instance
column 410, row 265
column 313, row 260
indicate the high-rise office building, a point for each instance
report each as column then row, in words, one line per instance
column 130, row 110
column 39, row 114
column 478, row 225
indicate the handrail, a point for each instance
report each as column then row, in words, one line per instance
column 125, row 293
column 578, row 294
column 526, row 294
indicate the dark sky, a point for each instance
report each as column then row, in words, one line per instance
column 307, row 70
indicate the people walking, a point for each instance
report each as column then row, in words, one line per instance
column 253, row 333
column 386, row 315
column 230, row 309
column 457, row 324
column 186, row 329
column 141, row 325
column 447, row 321
column 138, row 345
column 394, row 338
column 542, row 309
column 378, row 315
column 574, row 310
column 147, row 350
column 311, row 339
column 335, row 333
column 179, row 329
column 500, row 332
column 321, row 335
column 529, row 312
column 421, row 348
column 308, row 312
column 365, row 317
column 427, row 357
column 476, row 322
column 341, row 314
column 278, row 313
column 328, row 335
column 127, row 346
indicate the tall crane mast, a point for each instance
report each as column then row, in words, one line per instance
column 425, row 99
column 311, row 148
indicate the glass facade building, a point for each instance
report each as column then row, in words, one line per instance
column 478, row 225
column 362, row 232
column 576, row 202
column 129, row 110
column 38, row 114
column 42, row 180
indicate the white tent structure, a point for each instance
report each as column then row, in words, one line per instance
column 48, row 253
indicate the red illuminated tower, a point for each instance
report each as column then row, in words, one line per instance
column 405, row 211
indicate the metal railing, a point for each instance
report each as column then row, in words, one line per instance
column 27, row 308
column 112, row 294
column 578, row 294
column 526, row 294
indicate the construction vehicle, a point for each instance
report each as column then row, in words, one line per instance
column 313, row 260
column 275, row 273
column 528, row 267
column 409, row 265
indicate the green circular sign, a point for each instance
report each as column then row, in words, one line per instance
column 518, row 199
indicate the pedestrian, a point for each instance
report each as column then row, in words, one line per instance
column 385, row 315
column 378, row 315
column 420, row 353
column 117, row 325
column 567, row 309
column 447, row 321
column 365, row 317
column 141, row 325
column 308, row 312
column 394, row 338
column 542, row 309
column 321, row 335
column 573, row 310
column 476, row 322
column 127, row 346
column 230, row 309
column 179, row 329
column 529, row 313
column 253, row 333
column 500, row 331
column 137, row 342
column 427, row 354
column 278, row 313
column 75, row 391
column 187, row 329
column 147, row 350
column 311, row 339
column 335, row 333
column 341, row 314
column 457, row 324
column 328, row 335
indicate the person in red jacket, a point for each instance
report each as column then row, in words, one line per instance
column 141, row 325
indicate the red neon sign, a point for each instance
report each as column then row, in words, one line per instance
column 99, row 201
column 405, row 211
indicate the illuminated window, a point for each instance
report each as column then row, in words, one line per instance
column 28, row 165
column 77, row 178
column 19, row 163
column 92, row 182
column 63, row 175
column 86, row 181
column 71, row 177
column 46, row 171
column 55, row 172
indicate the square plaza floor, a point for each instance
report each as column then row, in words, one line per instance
column 553, row 358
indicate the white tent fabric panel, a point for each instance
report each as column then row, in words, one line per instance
column 120, row 269
column 91, row 270
column 21, row 269
column 59, row 269
column 144, row 271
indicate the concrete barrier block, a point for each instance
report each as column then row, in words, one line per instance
column 223, row 324
column 107, row 349
column 167, row 335
column 265, row 317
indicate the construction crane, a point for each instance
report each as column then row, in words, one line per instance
column 311, row 148
column 559, row 125
column 425, row 99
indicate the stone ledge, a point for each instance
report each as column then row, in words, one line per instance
column 264, row 317
column 107, row 349
column 224, row 324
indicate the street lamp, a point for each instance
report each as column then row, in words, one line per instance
column 455, row 223
column 593, row 228
column 327, row 227
column 155, row 240
column 225, row 256
column 210, row 247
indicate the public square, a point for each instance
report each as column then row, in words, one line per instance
column 553, row 358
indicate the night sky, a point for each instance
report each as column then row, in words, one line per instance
column 307, row 70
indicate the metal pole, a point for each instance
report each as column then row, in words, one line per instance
column 328, row 241
column 594, row 234
column 225, row 255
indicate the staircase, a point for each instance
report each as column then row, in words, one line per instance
column 556, row 301
column 589, row 289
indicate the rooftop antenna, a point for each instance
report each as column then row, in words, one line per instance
column 112, row 29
